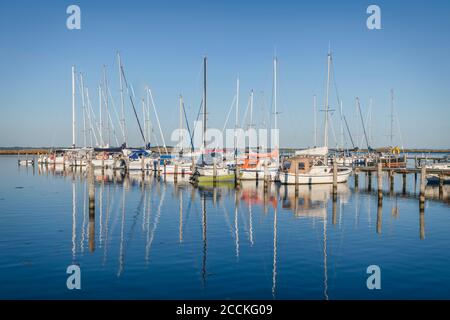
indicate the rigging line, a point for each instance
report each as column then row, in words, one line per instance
column 157, row 119
column 229, row 113
column 366, row 124
column 246, row 113
column 187, row 125
column 132, row 103
column 333, row 132
column 115, row 111
column 198, row 116
column 398, row 127
column 91, row 114
column 335, row 83
column 348, row 131
column 110, row 121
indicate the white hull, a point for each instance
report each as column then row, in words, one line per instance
column 108, row 163
column 26, row 162
column 314, row 177
column 258, row 174
column 208, row 171
column 137, row 164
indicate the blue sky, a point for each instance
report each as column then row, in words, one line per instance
column 162, row 44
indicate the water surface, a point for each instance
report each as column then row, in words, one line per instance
column 153, row 238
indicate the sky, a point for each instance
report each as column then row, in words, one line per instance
column 162, row 44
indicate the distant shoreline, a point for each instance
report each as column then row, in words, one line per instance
column 42, row 150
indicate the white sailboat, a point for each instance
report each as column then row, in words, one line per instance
column 311, row 166
column 264, row 164
column 207, row 172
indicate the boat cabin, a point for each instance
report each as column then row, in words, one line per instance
column 299, row 164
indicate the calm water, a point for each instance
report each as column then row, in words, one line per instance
column 153, row 239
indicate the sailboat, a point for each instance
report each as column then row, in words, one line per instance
column 257, row 165
column 208, row 170
column 311, row 166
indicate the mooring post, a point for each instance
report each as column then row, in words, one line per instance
column 423, row 174
column 142, row 163
column 356, row 177
column 369, row 184
column 334, row 215
column 214, row 171
column 91, row 231
column 266, row 178
column 175, row 174
column 335, row 174
column 380, row 181
column 404, row 183
column 158, row 171
column 441, row 185
column 391, row 180
column 422, row 222
column 379, row 215
column 296, row 180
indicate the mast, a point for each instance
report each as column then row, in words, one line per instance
column 315, row 120
column 100, row 115
column 147, row 120
column 73, row 109
column 181, row 124
column 327, row 99
column 145, row 123
column 392, row 118
column 122, row 120
column 251, row 109
column 342, row 126
column 237, row 118
column 275, row 61
column 204, row 104
column 84, row 109
column 105, row 83
column 370, row 121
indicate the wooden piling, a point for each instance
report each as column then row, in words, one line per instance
column 441, row 185
column 164, row 167
column 266, row 178
column 175, row 174
column 423, row 181
column 296, row 180
column 142, row 163
column 422, row 222
column 380, row 181
column 356, row 177
column 379, row 215
column 334, row 210
column 91, row 232
column 214, row 171
column 158, row 168
column 237, row 175
column 404, row 183
column 391, row 181
column 369, row 183
column 335, row 174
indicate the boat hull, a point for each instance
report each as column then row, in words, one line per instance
column 325, row 178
